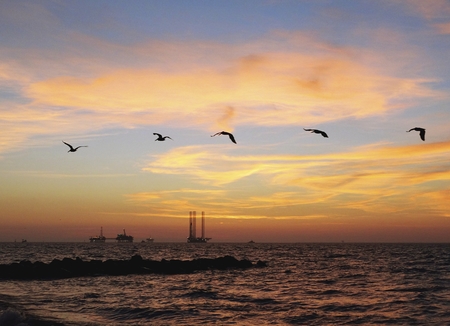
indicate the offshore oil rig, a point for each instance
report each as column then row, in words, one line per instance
column 193, row 227
column 122, row 237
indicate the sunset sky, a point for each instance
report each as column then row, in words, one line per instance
column 108, row 74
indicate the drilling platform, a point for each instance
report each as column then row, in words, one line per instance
column 123, row 237
column 98, row 238
column 192, row 229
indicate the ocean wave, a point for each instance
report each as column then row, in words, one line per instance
column 369, row 286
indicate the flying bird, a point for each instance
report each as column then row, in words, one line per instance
column 160, row 137
column 317, row 131
column 225, row 133
column 421, row 132
column 71, row 147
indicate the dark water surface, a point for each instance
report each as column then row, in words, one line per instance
column 304, row 284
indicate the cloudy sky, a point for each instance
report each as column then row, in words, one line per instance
column 108, row 74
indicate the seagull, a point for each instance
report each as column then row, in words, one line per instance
column 71, row 148
column 225, row 133
column 160, row 137
column 421, row 130
column 317, row 131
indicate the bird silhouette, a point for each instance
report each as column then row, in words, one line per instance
column 71, row 147
column 317, row 131
column 160, row 137
column 225, row 133
column 420, row 130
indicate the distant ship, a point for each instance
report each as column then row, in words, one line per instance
column 99, row 238
column 148, row 240
column 124, row 237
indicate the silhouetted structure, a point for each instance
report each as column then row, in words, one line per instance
column 124, row 237
column 192, row 229
column 121, row 237
column 99, row 238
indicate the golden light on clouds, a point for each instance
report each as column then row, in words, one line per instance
column 375, row 175
column 112, row 78
column 284, row 78
column 302, row 83
column 331, row 83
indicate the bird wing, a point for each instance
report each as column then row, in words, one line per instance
column 308, row 129
column 422, row 134
column 411, row 129
column 217, row 133
column 79, row 147
column 67, row 144
column 324, row 134
column 168, row 137
column 232, row 138
column 159, row 135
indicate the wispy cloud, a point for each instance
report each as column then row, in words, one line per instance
column 362, row 178
column 429, row 10
column 212, row 165
column 224, row 122
column 143, row 197
column 437, row 12
column 443, row 28
column 49, row 174
column 340, row 85
column 195, row 83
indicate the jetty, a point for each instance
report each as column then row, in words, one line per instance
column 69, row 267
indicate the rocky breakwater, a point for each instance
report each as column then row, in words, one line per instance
column 68, row 267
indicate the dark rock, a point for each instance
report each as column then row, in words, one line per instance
column 261, row 264
column 69, row 267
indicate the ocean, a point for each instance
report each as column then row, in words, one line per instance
column 303, row 284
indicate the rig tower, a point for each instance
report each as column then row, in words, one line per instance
column 193, row 226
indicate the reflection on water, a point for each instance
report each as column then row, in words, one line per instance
column 304, row 284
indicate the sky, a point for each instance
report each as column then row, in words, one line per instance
column 108, row 74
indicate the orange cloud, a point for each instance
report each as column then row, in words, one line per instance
column 161, row 196
column 443, row 28
column 225, row 120
column 301, row 84
column 284, row 78
column 361, row 178
column 436, row 10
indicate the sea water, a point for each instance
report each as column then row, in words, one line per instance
column 303, row 284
